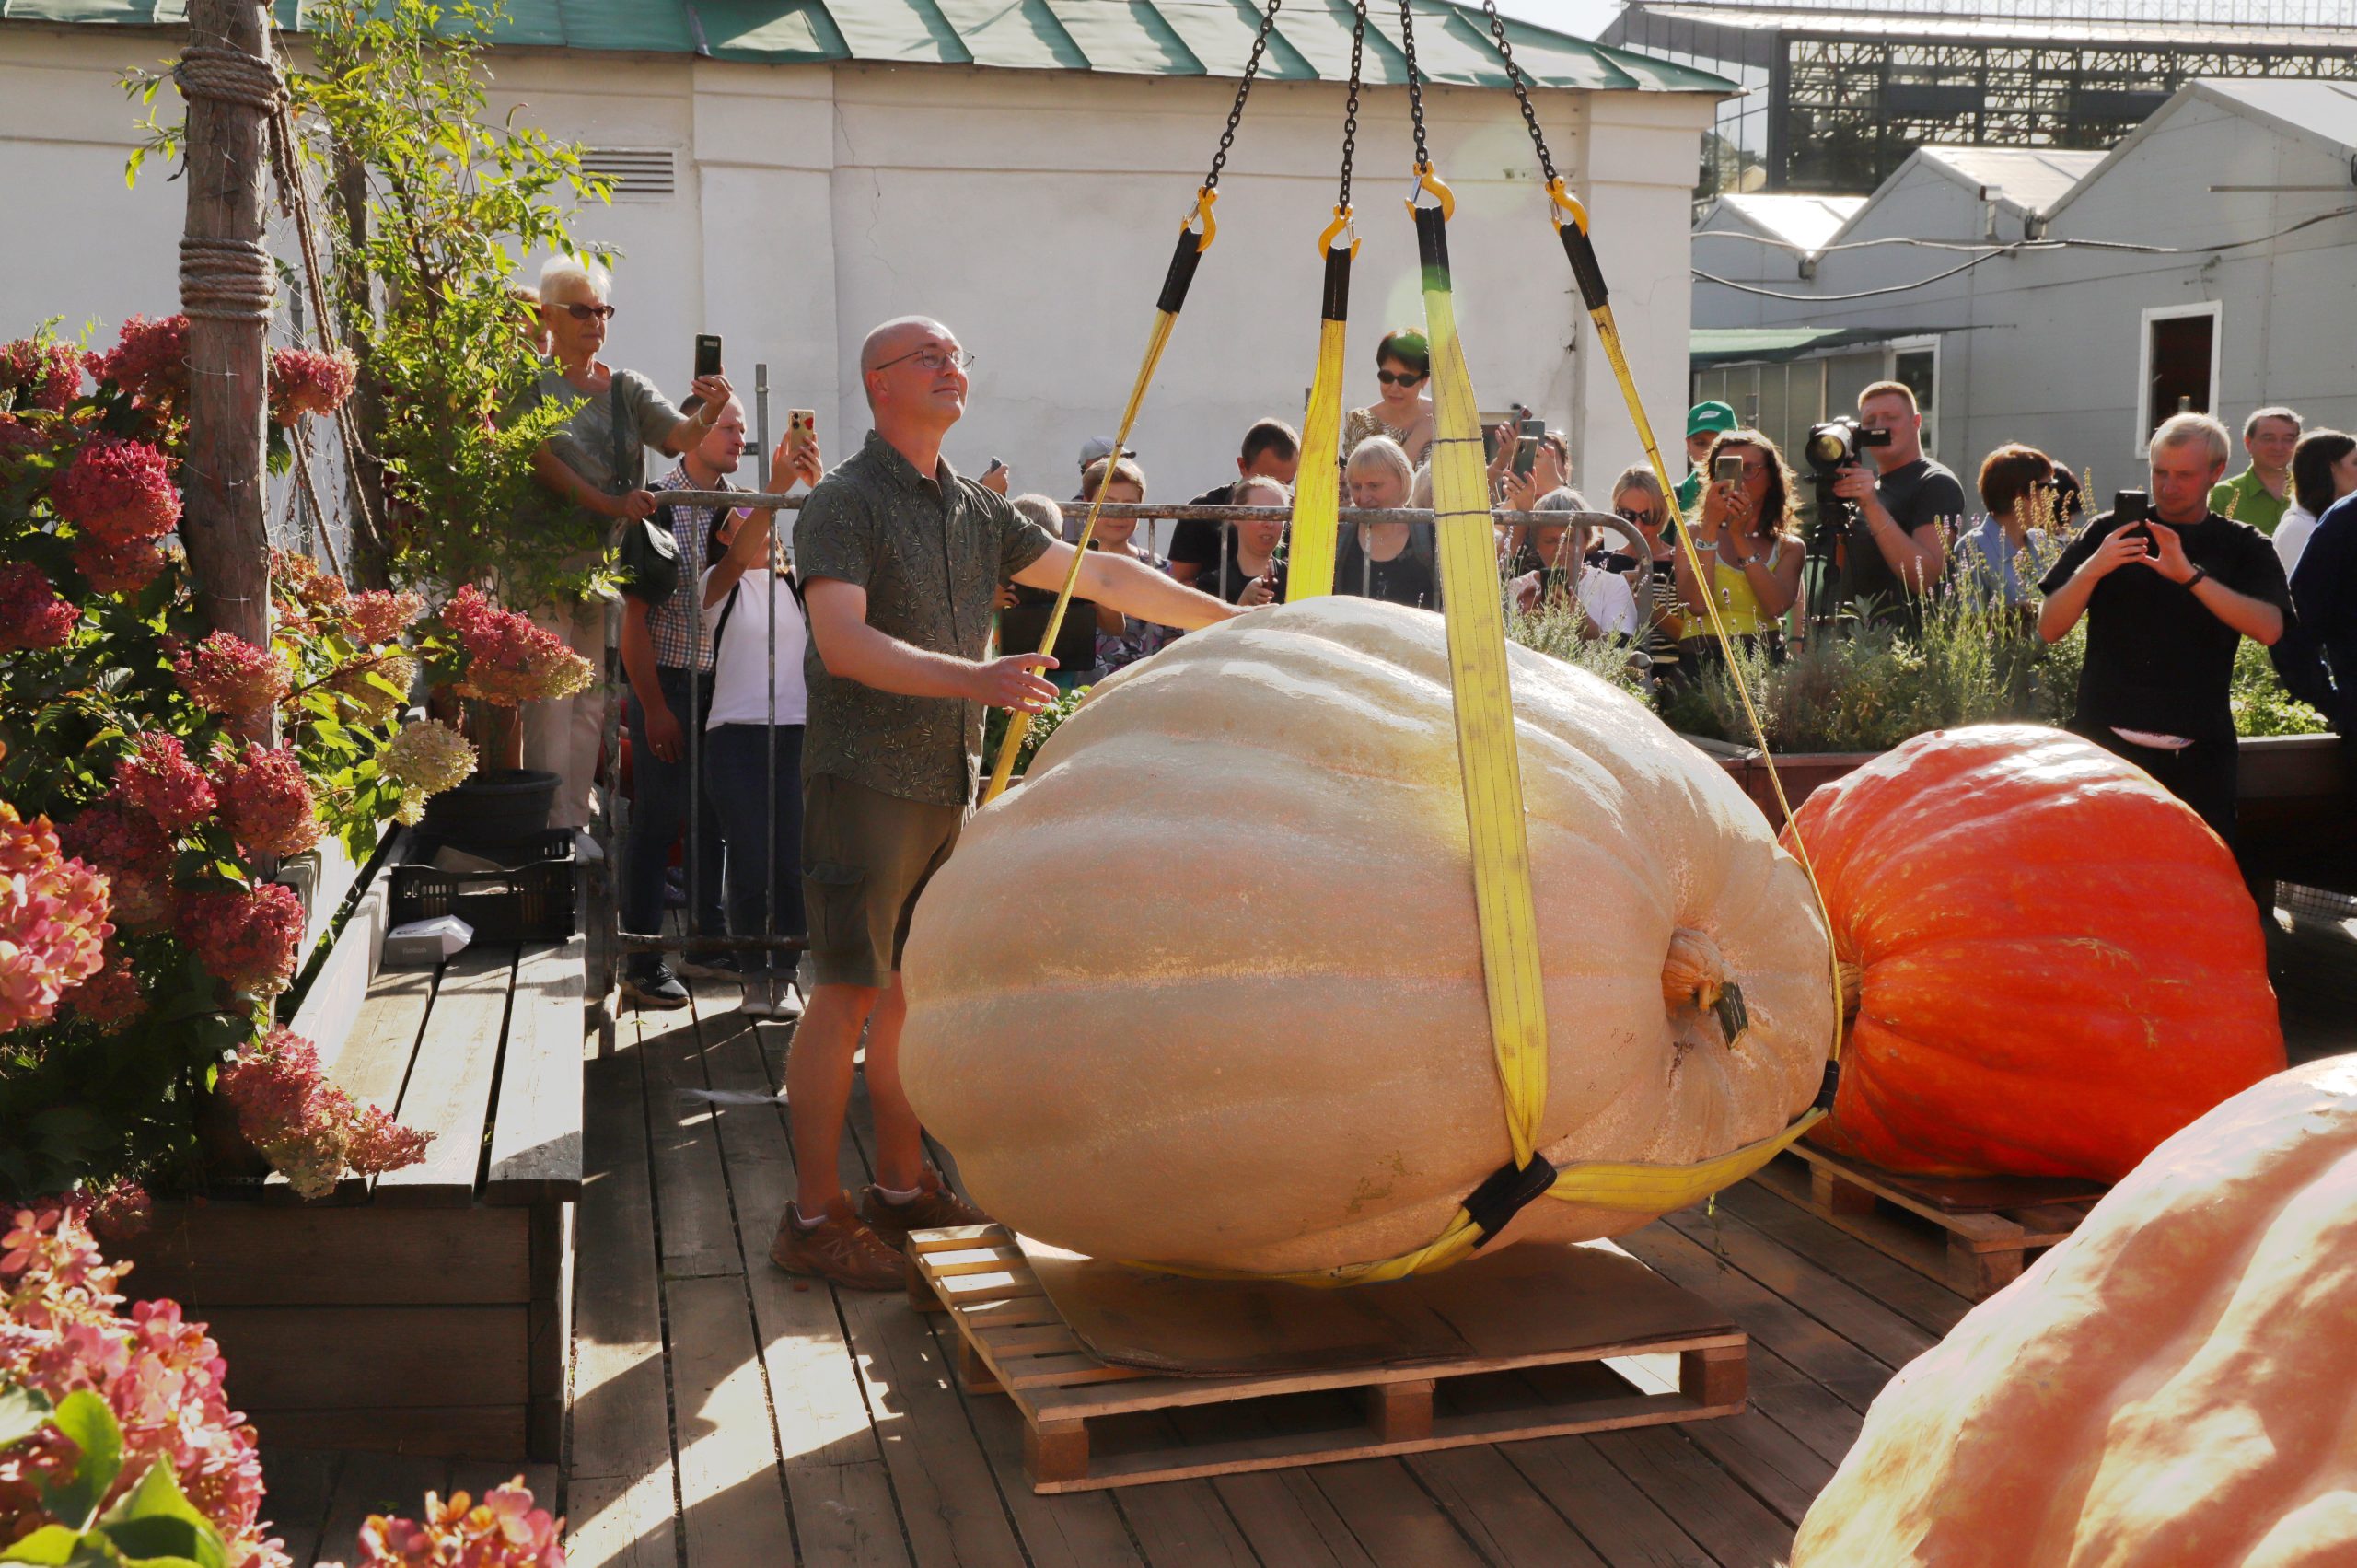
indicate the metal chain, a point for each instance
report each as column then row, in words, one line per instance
column 1521, row 89
column 1415, row 84
column 1351, row 110
column 1244, row 87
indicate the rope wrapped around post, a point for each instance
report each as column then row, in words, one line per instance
column 228, row 280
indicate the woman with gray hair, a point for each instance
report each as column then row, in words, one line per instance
column 596, row 462
column 1386, row 560
column 1555, row 572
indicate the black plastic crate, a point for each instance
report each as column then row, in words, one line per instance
column 532, row 900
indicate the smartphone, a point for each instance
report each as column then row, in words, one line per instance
column 1727, row 470
column 801, row 426
column 1526, row 447
column 2131, row 507
column 707, row 353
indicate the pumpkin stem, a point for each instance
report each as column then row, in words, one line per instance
column 1853, row 979
column 1695, row 975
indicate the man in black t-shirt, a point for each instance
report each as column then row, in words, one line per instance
column 2166, row 601
column 1271, row 450
column 1895, row 549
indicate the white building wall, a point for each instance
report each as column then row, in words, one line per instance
column 1035, row 212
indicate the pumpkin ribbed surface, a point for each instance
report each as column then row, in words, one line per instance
column 2059, row 964
column 2174, row 1387
column 1206, row 989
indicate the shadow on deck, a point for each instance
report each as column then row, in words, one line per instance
column 724, row 1414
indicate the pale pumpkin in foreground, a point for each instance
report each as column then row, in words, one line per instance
column 1206, row 989
column 2174, row 1387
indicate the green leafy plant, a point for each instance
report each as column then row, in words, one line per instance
column 438, row 203
column 1043, row 724
column 1554, row 629
column 152, row 1524
column 2261, row 705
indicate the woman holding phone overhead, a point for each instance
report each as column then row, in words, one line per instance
column 1750, row 544
column 596, row 463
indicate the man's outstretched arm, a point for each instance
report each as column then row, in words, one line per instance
column 1128, row 584
column 853, row 650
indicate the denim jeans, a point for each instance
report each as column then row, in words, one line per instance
column 658, row 810
column 737, row 782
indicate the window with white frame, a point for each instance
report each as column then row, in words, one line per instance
column 1915, row 364
column 2176, row 368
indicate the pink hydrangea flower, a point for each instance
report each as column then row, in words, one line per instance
column 304, row 381
column 31, row 615
column 245, row 937
column 135, row 852
column 266, row 802
column 381, row 615
column 63, row 1330
column 158, row 779
column 303, row 591
column 117, row 568
column 118, row 492
column 54, row 922
column 510, row 660
column 504, row 1530
column 149, row 361
column 43, row 374
column 225, row 674
column 309, row 1130
column 121, row 1209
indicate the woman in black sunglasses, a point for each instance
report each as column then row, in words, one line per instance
column 1403, row 363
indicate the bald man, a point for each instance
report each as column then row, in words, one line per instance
column 900, row 561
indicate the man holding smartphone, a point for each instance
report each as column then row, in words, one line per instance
column 2169, row 588
column 900, row 559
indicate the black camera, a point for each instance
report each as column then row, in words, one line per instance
column 1836, row 443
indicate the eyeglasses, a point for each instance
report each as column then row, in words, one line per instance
column 587, row 312
column 933, row 359
column 1400, row 377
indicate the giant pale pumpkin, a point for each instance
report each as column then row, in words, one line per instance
column 2058, row 963
column 2175, row 1387
column 1207, row 989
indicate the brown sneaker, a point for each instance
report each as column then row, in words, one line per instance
column 840, row 1247
column 935, row 1207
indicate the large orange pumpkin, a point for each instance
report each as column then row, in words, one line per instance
column 1207, row 988
column 2059, row 965
column 2175, row 1386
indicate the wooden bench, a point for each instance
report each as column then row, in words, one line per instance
column 423, row 1311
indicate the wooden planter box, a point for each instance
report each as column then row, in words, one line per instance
column 1801, row 773
column 423, row 1311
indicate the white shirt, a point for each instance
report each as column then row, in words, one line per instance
column 739, row 694
column 1606, row 597
column 2291, row 536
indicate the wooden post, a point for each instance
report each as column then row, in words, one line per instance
column 225, row 289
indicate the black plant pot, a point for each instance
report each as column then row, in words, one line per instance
column 493, row 810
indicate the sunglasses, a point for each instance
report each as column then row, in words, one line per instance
column 1400, row 377
column 1628, row 514
column 587, row 312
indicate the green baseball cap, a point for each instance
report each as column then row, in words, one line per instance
column 1711, row 417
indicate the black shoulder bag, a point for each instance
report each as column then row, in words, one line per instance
column 649, row 550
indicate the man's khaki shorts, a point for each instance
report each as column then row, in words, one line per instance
column 866, row 856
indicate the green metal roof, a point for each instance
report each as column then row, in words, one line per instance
column 1740, row 346
column 1311, row 39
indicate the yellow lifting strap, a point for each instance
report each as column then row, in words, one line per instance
column 1191, row 246
column 1316, row 498
column 1489, row 758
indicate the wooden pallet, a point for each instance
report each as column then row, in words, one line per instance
column 1973, row 1234
column 1089, row 1424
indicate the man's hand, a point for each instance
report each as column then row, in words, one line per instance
column 637, row 504
column 1522, row 492
column 663, row 736
column 1855, row 482
column 1009, row 683
column 2123, row 545
column 797, row 459
column 715, row 392
column 996, row 477
column 2170, row 562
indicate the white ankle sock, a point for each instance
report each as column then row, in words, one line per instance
column 893, row 1195
column 804, row 1222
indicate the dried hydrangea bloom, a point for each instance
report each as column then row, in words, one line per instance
column 118, row 492
column 266, row 802
column 510, row 660
column 245, row 937
column 149, row 361
column 158, row 779
column 225, row 674
column 309, row 1130
column 381, row 615
column 41, row 374
column 135, row 852
column 31, row 615
column 54, row 922
column 304, row 381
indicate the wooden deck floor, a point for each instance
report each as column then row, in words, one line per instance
column 727, row 1415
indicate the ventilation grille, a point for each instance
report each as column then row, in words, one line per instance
column 638, row 174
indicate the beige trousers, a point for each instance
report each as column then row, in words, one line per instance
column 563, row 737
